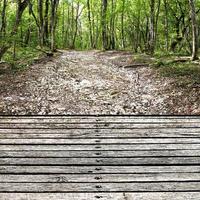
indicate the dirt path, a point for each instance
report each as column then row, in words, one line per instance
column 89, row 82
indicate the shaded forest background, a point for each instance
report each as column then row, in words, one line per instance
column 163, row 27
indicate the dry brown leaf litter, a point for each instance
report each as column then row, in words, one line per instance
column 92, row 82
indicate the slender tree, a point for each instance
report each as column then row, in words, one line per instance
column 152, row 27
column 166, row 24
column 21, row 6
column 54, row 9
column 46, row 22
column 112, row 26
column 3, row 19
column 41, row 22
column 90, row 24
column 76, row 25
column 195, row 45
column 122, row 24
column 104, row 24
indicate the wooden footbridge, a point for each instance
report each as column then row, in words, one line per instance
column 104, row 157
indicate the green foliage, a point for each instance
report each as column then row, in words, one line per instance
column 25, row 56
column 143, row 58
column 186, row 72
column 131, row 27
column 136, row 17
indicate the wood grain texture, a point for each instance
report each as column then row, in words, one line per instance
column 101, row 161
column 99, row 133
column 98, row 118
column 98, row 169
column 114, row 132
column 99, row 154
column 102, row 187
column 98, row 125
column 110, row 147
column 103, row 141
column 99, row 157
column 103, row 178
column 103, row 196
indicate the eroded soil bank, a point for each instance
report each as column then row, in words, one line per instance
column 93, row 82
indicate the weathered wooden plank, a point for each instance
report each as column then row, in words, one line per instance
column 94, row 196
column 97, row 136
column 102, row 187
column 106, row 132
column 99, row 126
column 102, row 178
column 101, row 117
column 112, row 147
column 92, row 154
column 94, row 131
column 97, row 169
column 103, row 196
column 140, row 120
column 102, row 147
column 103, row 141
column 102, row 161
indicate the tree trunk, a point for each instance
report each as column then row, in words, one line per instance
column 95, row 31
column 54, row 7
column 41, row 22
column 27, row 36
column 3, row 19
column 71, row 33
column 63, row 24
column 46, row 22
column 90, row 24
column 3, row 50
column 122, row 24
column 21, row 6
column 152, row 27
column 76, row 26
column 156, row 23
column 166, row 25
column 104, row 24
column 112, row 26
column 194, row 30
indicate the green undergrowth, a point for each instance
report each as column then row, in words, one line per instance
column 186, row 72
column 143, row 58
column 177, row 66
column 24, row 57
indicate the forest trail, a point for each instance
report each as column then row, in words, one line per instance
column 90, row 82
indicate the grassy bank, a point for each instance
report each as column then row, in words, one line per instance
column 181, row 68
column 22, row 57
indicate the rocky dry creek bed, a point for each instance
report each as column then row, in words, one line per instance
column 93, row 82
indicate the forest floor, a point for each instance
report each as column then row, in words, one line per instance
column 94, row 82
